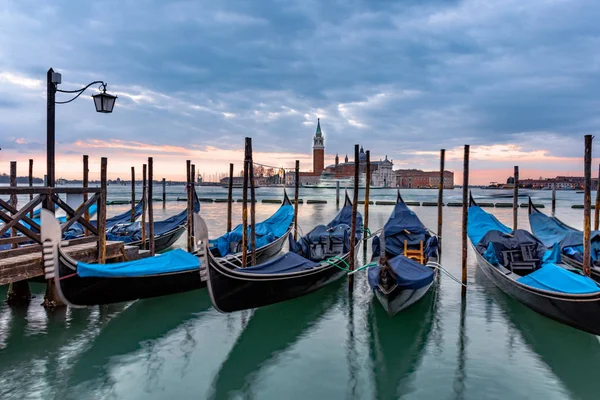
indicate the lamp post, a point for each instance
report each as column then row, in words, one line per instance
column 103, row 101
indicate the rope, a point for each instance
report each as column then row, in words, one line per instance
column 371, row 264
column 67, row 276
column 435, row 265
column 338, row 258
column 371, row 234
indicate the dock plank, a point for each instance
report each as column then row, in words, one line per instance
column 27, row 266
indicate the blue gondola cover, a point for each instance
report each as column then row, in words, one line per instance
column 409, row 274
column 480, row 222
column 553, row 278
column 548, row 229
column 404, row 225
column 177, row 260
column 324, row 241
column 266, row 232
column 551, row 230
column 286, row 263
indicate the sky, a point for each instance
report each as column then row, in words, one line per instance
column 517, row 80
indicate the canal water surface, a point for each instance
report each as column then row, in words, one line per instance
column 328, row 345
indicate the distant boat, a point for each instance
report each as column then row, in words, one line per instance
column 328, row 180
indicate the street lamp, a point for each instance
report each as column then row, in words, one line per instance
column 103, row 101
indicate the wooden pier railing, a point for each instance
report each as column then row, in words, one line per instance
column 19, row 219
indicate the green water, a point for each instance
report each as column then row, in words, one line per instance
column 328, row 345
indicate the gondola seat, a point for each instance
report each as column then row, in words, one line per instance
column 323, row 242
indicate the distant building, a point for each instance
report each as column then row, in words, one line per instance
column 416, row 179
column 318, row 160
column 381, row 171
column 560, row 183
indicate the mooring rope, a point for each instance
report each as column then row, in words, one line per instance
column 433, row 264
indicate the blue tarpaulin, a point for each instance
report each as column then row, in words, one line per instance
column 404, row 225
column 323, row 241
column 172, row 261
column 514, row 240
column 77, row 230
column 553, row 278
column 551, row 230
column 266, row 232
column 548, row 229
column 481, row 222
column 409, row 274
column 289, row 262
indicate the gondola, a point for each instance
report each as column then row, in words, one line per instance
column 166, row 232
column 81, row 284
column 401, row 252
column 77, row 230
column 571, row 355
column 313, row 261
column 521, row 266
column 553, row 232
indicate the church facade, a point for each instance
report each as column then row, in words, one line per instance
column 381, row 171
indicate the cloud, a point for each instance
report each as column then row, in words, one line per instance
column 402, row 78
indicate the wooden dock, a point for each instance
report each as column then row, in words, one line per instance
column 27, row 266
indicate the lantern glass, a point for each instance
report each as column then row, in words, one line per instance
column 104, row 102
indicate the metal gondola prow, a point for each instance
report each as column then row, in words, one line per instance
column 399, row 198
column 347, row 202
column 286, row 199
column 201, row 238
column 531, row 206
column 472, row 201
column 51, row 236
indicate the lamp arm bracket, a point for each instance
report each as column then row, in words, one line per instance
column 80, row 91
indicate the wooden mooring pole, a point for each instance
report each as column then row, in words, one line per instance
column 245, row 208
column 192, row 195
column 188, row 172
column 587, row 200
column 31, row 183
column 230, row 198
column 18, row 292
column 252, row 203
column 133, row 194
column 296, row 194
column 553, row 199
column 13, row 197
column 337, row 194
column 144, row 205
column 351, row 256
column 441, row 200
column 150, row 207
column 597, row 207
column 516, row 199
column 164, row 192
column 102, row 212
column 367, row 192
column 86, row 181
column 465, row 216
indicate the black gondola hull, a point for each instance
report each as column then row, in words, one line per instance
column 232, row 291
column 164, row 241
column 578, row 311
column 93, row 291
column 400, row 299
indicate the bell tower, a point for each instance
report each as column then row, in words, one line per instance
column 318, row 150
